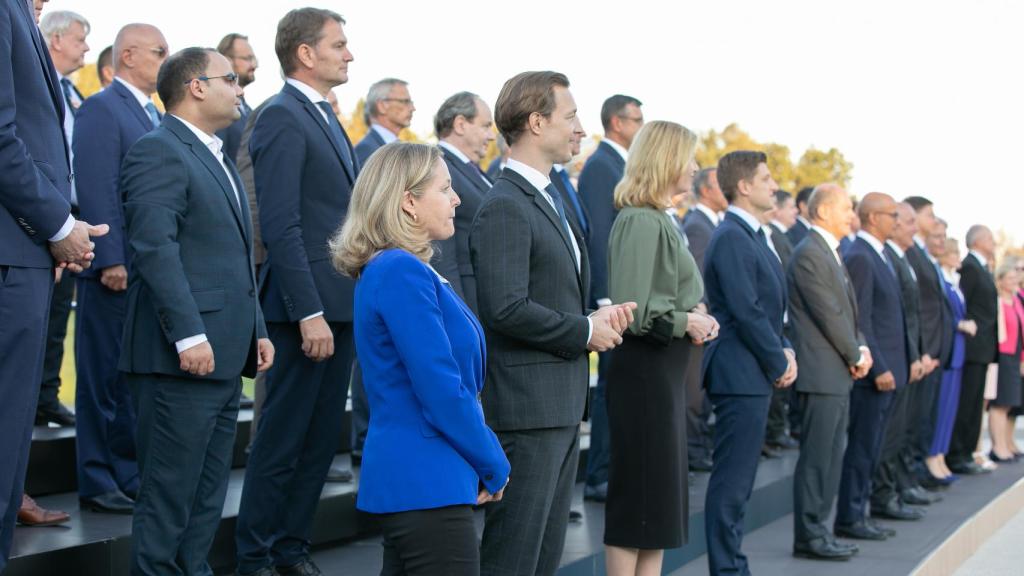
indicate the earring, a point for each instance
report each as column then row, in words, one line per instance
column 415, row 218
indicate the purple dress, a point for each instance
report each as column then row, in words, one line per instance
column 949, row 392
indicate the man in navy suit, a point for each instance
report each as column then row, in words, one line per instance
column 799, row 229
column 304, row 170
column 236, row 48
column 36, row 230
column 746, row 293
column 575, row 210
column 881, row 321
column 65, row 33
column 106, row 126
column 193, row 325
column 621, row 119
column 464, row 126
column 388, row 110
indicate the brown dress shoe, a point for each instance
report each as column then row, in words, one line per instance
column 31, row 514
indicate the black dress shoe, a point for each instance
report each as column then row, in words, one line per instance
column 245, row 402
column 340, row 475
column 821, row 549
column 918, row 496
column 783, row 442
column 768, row 453
column 597, row 493
column 968, row 468
column 995, row 458
column 59, row 415
column 895, row 510
column 859, row 531
column 304, row 568
column 701, row 465
column 888, row 532
column 356, row 457
column 110, row 503
column 933, row 484
column 575, row 516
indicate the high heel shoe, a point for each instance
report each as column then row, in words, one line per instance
column 995, row 458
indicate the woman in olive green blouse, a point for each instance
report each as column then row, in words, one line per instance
column 647, row 507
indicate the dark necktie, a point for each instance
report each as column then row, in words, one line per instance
column 888, row 262
column 480, row 171
column 337, row 134
column 68, row 90
column 556, row 199
column 574, row 198
column 154, row 114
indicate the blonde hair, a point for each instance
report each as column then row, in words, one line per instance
column 375, row 219
column 660, row 153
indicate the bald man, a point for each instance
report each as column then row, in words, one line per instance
column 106, row 126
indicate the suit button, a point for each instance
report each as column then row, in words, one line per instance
column 71, row 177
column 489, row 477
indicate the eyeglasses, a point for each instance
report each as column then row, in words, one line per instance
column 231, row 77
column 406, row 101
column 894, row 215
column 160, row 51
column 637, row 119
column 250, row 59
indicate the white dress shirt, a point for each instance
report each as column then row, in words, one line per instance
column 384, row 133
column 618, row 148
column 464, row 159
column 711, row 214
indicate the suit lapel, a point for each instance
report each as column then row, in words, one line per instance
column 317, row 116
column 469, row 173
column 549, row 212
column 133, row 106
column 766, row 254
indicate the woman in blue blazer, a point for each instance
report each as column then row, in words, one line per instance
column 429, row 456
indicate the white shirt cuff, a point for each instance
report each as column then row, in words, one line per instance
column 311, row 316
column 604, row 302
column 863, row 356
column 590, row 329
column 61, row 234
column 190, row 342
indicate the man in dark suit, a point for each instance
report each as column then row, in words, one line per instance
column 982, row 300
column 874, row 433
column 746, row 293
column 621, row 119
column 936, row 340
column 304, row 171
column 799, row 229
column 785, row 218
column 532, row 274
column 236, row 48
column 65, row 34
column 388, row 110
column 106, row 126
column 832, row 352
column 776, row 437
column 498, row 163
column 37, row 230
column 465, row 127
column 194, row 324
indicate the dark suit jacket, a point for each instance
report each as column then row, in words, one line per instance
column 797, row 232
column 880, row 316
column 453, row 262
column 597, row 182
column 567, row 200
column 823, row 310
column 303, row 189
column 35, row 188
column 494, row 169
column 911, row 296
column 191, row 252
column 243, row 161
column 532, row 304
column 699, row 229
column 982, row 299
column 368, row 145
column 782, row 245
column 934, row 310
column 106, row 127
column 746, row 293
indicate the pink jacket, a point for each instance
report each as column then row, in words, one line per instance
column 1010, row 329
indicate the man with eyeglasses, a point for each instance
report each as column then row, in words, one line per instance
column 387, row 112
column 106, row 126
column 238, row 51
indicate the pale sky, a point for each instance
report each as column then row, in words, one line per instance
column 923, row 97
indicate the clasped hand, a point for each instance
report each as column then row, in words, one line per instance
column 75, row 251
column 609, row 322
column 789, row 376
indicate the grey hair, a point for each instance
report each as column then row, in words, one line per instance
column 975, row 233
column 460, row 104
column 378, row 93
column 59, row 21
column 700, row 181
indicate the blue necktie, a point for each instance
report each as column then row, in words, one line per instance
column 65, row 85
column 574, row 198
column 154, row 115
column 336, row 133
column 480, row 170
column 885, row 258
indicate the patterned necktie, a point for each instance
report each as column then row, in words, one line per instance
column 68, row 90
column 154, row 115
column 336, row 133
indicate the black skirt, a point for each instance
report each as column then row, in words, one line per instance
column 1008, row 383
column 648, row 495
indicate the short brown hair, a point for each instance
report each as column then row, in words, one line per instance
column 227, row 44
column 521, row 96
column 298, row 27
column 736, row 166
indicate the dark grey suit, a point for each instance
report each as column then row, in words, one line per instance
column 698, row 229
column 453, row 262
column 532, row 304
column 781, row 397
column 823, row 311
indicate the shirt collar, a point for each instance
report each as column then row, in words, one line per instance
column 874, row 242
column 384, row 133
column 618, row 148
column 307, row 90
column 139, row 95
column 982, row 259
column 711, row 214
column 212, row 142
column 780, row 225
column 767, row 230
column 920, row 243
column 534, row 177
column 805, row 221
column 747, row 217
column 458, row 153
column 830, row 240
column 895, row 248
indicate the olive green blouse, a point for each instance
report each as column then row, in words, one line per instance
column 648, row 264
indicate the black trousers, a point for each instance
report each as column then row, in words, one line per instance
column 57, row 329
column 888, row 477
column 435, row 542
column 967, row 426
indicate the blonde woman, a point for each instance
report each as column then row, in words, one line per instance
column 429, row 456
column 647, row 507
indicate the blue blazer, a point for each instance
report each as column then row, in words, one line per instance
column 797, row 232
column 191, row 247
column 880, row 316
column 597, row 182
column 302, row 188
column 746, row 293
column 106, row 127
column 422, row 354
column 35, row 178
column 368, row 145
